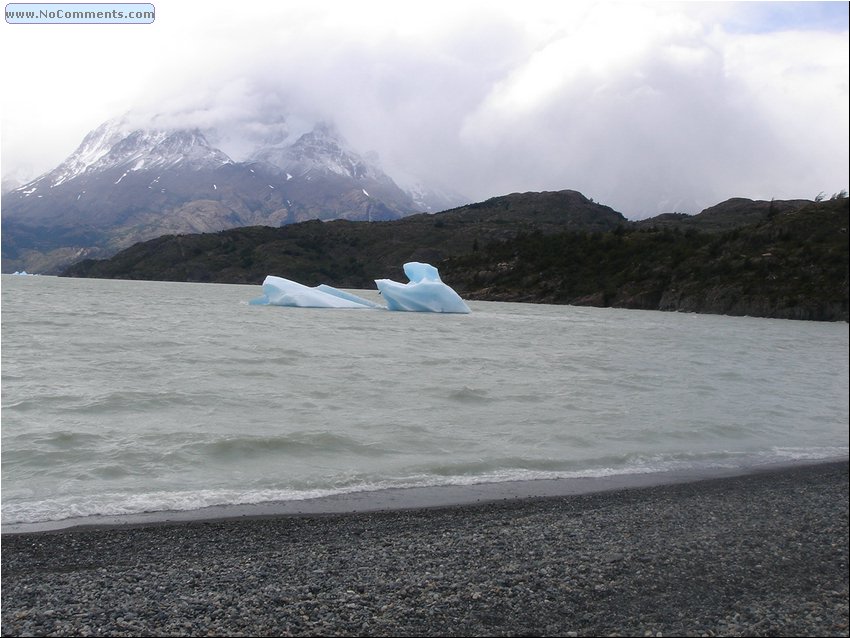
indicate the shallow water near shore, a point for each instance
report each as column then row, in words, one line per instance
column 124, row 397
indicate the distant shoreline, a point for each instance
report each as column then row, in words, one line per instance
column 776, row 259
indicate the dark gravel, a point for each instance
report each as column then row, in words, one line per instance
column 759, row 555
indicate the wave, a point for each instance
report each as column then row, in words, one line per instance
column 182, row 400
column 506, row 470
column 242, row 448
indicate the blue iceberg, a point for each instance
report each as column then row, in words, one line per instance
column 278, row 291
column 425, row 292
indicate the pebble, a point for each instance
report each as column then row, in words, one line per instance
column 661, row 561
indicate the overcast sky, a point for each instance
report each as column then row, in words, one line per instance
column 646, row 107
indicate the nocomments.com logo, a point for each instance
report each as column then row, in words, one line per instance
column 80, row 13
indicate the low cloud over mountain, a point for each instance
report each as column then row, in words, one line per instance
column 126, row 183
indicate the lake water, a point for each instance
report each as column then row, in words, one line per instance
column 121, row 397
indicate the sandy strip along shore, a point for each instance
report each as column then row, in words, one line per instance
column 764, row 554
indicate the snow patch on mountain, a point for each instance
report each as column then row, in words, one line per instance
column 93, row 147
column 322, row 150
column 297, row 149
column 429, row 198
column 116, row 145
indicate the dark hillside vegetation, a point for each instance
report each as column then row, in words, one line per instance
column 790, row 265
column 350, row 254
column 782, row 259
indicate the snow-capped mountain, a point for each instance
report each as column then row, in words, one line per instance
column 115, row 145
column 116, row 175
column 429, row 198
column 322, row 161
column 321, row 151
column 324, row 152
column 125, row 184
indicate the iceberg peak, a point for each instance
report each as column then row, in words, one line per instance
column 418, row 272
column 425, row 292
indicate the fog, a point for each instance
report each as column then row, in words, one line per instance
column 645, row 107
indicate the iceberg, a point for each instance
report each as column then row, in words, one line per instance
column 336, row 292
column 278, row 291
column 424, row 293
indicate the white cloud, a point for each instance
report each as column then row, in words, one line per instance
column 646, row 107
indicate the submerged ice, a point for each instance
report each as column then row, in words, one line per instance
column 425, row 292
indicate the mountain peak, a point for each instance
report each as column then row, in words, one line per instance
column 127, row 182
column 323, row 151
column 114, row 144
column 95, row 145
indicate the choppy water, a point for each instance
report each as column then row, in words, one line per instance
column 121, row 397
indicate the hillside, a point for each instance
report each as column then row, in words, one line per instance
column 784, row 259
column 791, row 265
column 350, row 254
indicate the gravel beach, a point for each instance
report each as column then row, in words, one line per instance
column 760, row 555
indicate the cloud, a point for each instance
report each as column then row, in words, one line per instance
column 676, row 116
column 645, row 107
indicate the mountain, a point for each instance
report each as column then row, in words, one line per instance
column 783, row 259
column 11, row 181
column 126, row 184
column 333, row 181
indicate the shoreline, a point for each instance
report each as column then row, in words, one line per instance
column 411, row 498
column 764, row 553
